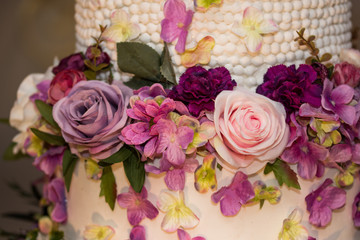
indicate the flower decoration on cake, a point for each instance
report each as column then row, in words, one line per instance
column 138, row 233
column 232, row 197
column 96, row 232
column 322, row 201
column 55, row 193
column 262, row 192
column 50, row 160
column 183, row 235
column 200, row 54
column 204, row 5
column 45, row 225
column 264, row 133
column 356, row 210
column 252, row 26
column 292, row 228
column 205, row 175
column 177, row 214
column 137, row 205
column 176, row 23
column 122, row 28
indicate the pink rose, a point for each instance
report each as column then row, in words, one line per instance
column 346, row 73
column 351, row 56
column 251, row 130
column 62, row 83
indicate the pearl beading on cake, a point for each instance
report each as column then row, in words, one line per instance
column 328, row 20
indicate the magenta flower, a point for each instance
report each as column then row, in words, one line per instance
column 55, row 193
column 337, row 99
column 232, row 197
column 183, row 235
column 138, row 207
column 322, row 201
column 152, row 91
column 43, row 88
column 356, row 210
column 138, row 233
column 50, row 160
column 346, row 73
column 173, row 140
column 176, row 23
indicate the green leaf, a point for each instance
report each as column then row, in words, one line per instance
column 136, row 83
column 56, row 235
column 9, row 153
column 123, row 154
column 283, row 173
column 5, row 120
column 135, row 171
column 108, row 186
column 46, row 112
column 139, row 59
column 49, row 138
column 262, row 201
column 166, row 68
column 90, row 75
column 69, row 163
column 32, row 235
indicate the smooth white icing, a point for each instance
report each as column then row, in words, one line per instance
column 85, row 207
column 328, row 20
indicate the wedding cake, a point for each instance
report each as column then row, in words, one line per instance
column 208, row 158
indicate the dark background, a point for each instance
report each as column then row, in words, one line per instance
column 33, row 32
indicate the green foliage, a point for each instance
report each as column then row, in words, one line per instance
column 135, row 171
column 46, row 112
column 49, row 138
column 283, row 173
column 69, row 163
column 166, row 68
column 9, row 153
column 123, row 154
column 108, row 186
column 32, row 235
column 56, row 235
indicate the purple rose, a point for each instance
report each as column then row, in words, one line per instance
column 346, row 73
column 103, row 58
column 199, row 87
column 292, row 87
column 74, row 61
column 92, row 116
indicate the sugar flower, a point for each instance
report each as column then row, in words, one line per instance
column 177, row 214
column 292, row 228
column 54, row 191
column 176, row 23
column 200, row 54
column 50, row 160
column 356, row 210
column 292, row 87
column 322, row 201
column 232, row 197
column 183, row 235
column 204, row 5
column 263, row 192
column 45, row 225
column 173, row 140
column 97, row 232
column 92, row 169
column 198, row 88
column 138, row 207
column 205, row 175
column 122, row 28
column 252, row 27
column 337, row 99
column 138, row 233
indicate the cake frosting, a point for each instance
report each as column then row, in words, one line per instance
column 224, row 164
column 328, row 20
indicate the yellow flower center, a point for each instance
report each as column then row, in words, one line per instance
column 180, row 25
column 305, row 149
column 319, row 198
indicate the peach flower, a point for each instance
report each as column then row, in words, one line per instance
column 251, row 130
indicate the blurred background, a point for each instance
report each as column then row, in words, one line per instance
column 33, row 33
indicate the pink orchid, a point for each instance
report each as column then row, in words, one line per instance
column 173, row 140
column 322, row 201
column 337, row 99
column 232, row 197
column 138, row 207
column 183, row 235
column 137, row 233
column 176, row 23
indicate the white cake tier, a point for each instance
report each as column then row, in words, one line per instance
column 328, row 20
column 85, row 207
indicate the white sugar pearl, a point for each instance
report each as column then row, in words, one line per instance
column 297, row 5
column 145, row 7
column 267, row 6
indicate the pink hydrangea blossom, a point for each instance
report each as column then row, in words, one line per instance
column 54, row 191
column 356, row 210
column 322, row 201
column 138, row 233
column 51, row 159
column 232, row 197
column 183, row 235
column 138, row 207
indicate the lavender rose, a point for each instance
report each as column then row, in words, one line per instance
column 199, row 87
column 91, row 117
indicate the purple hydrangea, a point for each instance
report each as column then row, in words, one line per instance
column 356, row 210
column 199, row 87
column 292, row 87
